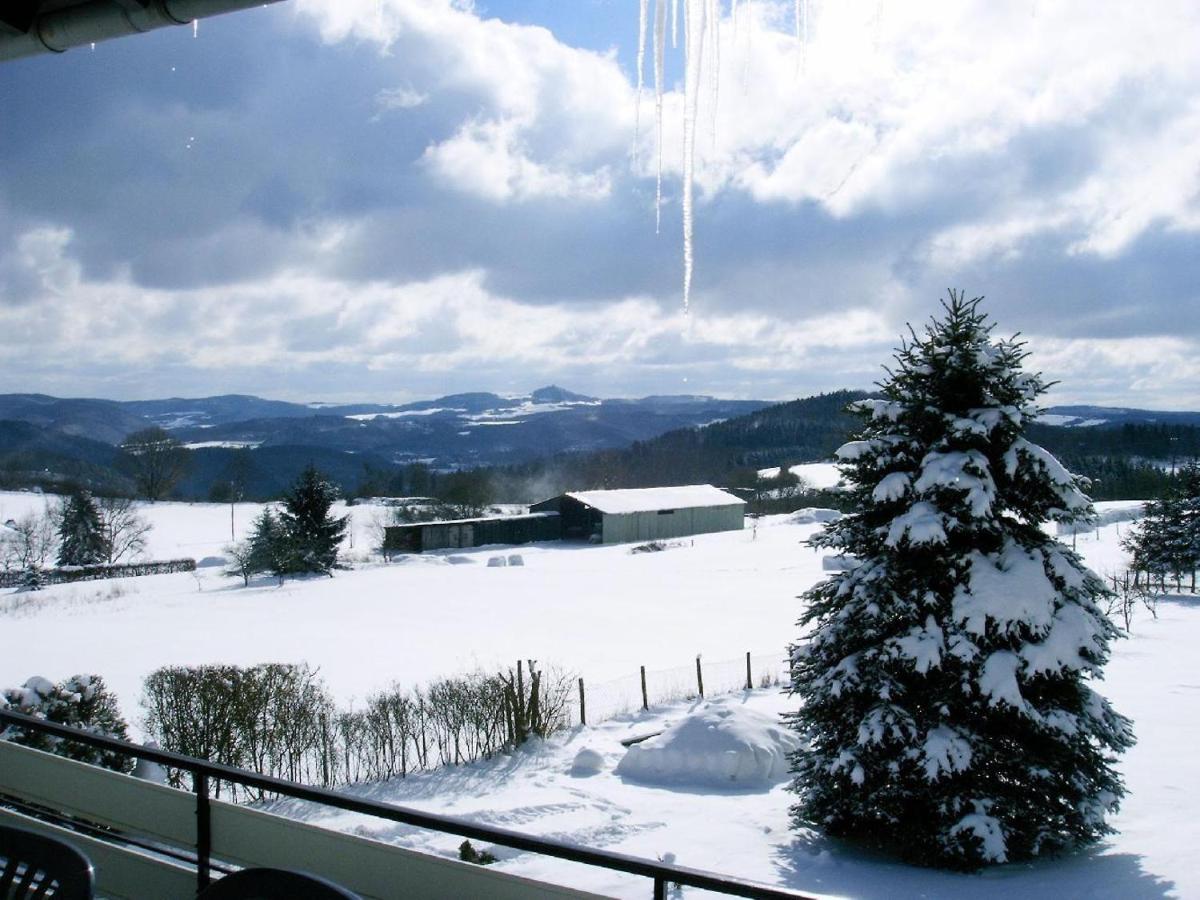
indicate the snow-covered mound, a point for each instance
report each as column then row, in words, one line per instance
column 722, row 743
column 813, row 514
column 587, row 762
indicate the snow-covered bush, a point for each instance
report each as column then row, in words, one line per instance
column 81, row 701
column 946, row 710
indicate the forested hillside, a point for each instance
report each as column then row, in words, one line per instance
column 1123, row 461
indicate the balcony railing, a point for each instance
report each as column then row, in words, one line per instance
column 154, row 826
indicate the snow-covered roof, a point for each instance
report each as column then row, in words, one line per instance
column 633, row 500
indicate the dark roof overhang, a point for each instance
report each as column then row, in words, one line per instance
column 29, row 27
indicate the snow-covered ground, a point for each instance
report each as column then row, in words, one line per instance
column 602, row 612
column 819, row 476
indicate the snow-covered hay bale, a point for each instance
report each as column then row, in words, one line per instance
column 722, row 743
column 812, row 514
column 839, row 563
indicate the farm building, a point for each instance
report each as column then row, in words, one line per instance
column 645, row 514
column 457, row 533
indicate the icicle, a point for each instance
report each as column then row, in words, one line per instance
column 660, row 48
column 641, row 63
column 675, row 23
column 801, row 7
column 693, row 51
column 714, row 68
column 195, row 28
column 804, row 38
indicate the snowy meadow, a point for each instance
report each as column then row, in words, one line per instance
column 600, row 613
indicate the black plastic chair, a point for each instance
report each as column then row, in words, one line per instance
column 35, row 866
column 274, row 884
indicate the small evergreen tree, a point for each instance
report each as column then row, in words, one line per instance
column 946, row 709
column 32, row 578
column 265, row 550
column 312, row 534
column 1167, row 539
column 80, row 531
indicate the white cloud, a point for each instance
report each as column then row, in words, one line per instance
column 897, row 107
column 550, row 117
column 488, row 159
column 403, row 97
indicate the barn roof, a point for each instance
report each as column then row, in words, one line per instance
column 650, row 499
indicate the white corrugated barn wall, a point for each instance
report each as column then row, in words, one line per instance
column 622, row 528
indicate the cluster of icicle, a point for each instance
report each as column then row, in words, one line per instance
column 702, row 62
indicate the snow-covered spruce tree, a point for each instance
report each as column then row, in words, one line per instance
column 312, row 534
column 80, row 531
column 265, row 550
column 944, row 678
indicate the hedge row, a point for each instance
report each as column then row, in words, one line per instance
column 94, row 573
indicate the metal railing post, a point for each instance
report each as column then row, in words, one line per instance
column 203, row 831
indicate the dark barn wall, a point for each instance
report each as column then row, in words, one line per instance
column 579, row 521
column 423, row 536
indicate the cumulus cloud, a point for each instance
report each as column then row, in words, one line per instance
column 551, row 115
column 312, row 336
column 370, row 187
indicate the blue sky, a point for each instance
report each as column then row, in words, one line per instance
column 392, row 199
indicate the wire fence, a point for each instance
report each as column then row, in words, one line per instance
column 598, row 702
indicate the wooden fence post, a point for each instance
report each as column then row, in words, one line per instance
column 582, row 704
column 749, row 681
column 699, row 677
column 645, row 698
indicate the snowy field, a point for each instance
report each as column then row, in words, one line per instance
column 601, row 612
column 819, row 476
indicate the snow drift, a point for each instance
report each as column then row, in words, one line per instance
column 721, row 743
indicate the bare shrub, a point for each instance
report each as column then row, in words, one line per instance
column 267, row 718
column 279, row 720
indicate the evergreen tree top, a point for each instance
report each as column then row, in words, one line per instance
column 942, row 451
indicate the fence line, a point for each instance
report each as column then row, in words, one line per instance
column 620, row 696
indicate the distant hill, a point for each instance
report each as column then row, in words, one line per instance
column 726, row 452
column 354, row 443
column 1127, row 453
column 534, row 445
column 100, row 420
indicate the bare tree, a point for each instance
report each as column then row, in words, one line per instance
column 123, row 529
column 242, row 559
column 156, row 460
column 28, row 542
